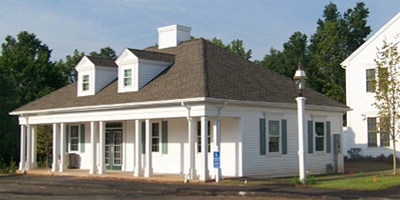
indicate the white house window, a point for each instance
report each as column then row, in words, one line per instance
column 319, row 136
column 85, row 82
column 127, row 77
column 273, row 136
column 372, row 135
column 74, row 138
column 199, row 137
column 155, row 137
column 370, row 77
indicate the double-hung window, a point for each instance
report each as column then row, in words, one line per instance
column 372, row 132
column 155, row 137
column 85, row 83
column 273, row 136
column 370, row 80
column 74, row 138
column 319, row 136
column 127, row 77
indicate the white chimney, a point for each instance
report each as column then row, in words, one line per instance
column 171, row 36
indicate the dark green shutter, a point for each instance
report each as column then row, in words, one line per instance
column 164, row 137
column 284, row 136
column 82, row 140
column 263, row 149
column 143, row 137
column 310, row 136
column 328, row 137
column 66, row 137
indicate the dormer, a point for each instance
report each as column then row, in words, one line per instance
column 94, row 74
column 136, row 68
column 171, row 36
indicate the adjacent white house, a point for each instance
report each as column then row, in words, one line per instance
column 360, row 94
column 168, row 108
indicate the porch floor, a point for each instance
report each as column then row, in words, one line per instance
column 110, row 174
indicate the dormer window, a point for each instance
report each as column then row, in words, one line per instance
column 127, row 77
column 85, row 82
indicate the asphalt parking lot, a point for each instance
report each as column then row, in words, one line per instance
column 67, row 187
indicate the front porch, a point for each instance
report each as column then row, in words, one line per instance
column 111, row 174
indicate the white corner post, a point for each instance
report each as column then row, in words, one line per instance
column 28, row 147
column 204, row 149
column 192, row 148
column 217, row 145
column 148, row 172
column 93, row 141
column 102, row 146
column 300, row 116
column 22, row 148
column 138, row 153
column 34, row 145
column 63, row 146
column 56, row 130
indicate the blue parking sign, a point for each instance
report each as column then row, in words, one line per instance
column 217, row 163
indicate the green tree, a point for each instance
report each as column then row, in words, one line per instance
column 236, row 47
column 387, row 90
column 27, row 74
column 106, row 52
column 67, row 67
column 336, row 38
column 44, row 143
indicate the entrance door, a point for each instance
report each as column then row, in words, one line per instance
column 113, row 157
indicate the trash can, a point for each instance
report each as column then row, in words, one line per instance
column 73, row 161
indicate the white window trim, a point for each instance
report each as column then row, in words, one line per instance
column 210, row 135
column 126, row 77
column 159, row 136
column 70, row 138
column 279, row 153
column 316, row 136
column 85, row 82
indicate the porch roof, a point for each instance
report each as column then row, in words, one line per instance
column 200, row 69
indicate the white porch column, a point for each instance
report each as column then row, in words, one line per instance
column 148, row 172
column 102, row 141
column 192, row 148
column 28, row 148
column 138, row 152
column 217, row 145
column 56, row 130
column 63, row 146
column 22, row 148
column 302, row 158
column 204, row 149
column 34, row 146
column 93, row 142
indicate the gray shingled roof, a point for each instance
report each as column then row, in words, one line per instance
column 105, row 62
column 150, row 55
column 200, row 69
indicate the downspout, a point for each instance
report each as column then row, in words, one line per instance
column 192, row 171
column 218, row 174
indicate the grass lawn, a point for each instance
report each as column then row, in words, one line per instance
column 359, row 175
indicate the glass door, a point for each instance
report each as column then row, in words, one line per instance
column 113, row 149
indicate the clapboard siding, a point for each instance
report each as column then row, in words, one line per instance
column 104, row 76
column 148, row 71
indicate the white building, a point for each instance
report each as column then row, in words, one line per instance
column 360, row 95
column 166, row 109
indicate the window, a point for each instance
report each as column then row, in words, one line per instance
column 85, row 83
column 274, row 135
column 155, row 137
column 319, row 136
column 372, row 135
column 370, row 80
column 74, row 138
column 127, row 77
column 199, row 137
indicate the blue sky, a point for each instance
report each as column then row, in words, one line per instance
column 92, row 24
